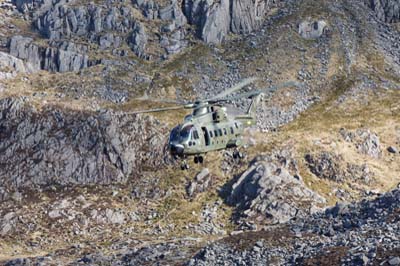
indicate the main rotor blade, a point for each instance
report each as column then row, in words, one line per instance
column 233, row 89
column 257, row 92
column 156, row 110
column 283, row 85
column 240, row 96
column 146, row 97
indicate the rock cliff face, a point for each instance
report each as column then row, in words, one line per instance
column 53, row 146
column 247, row 15
column 56, row 59
column 215, row 19
column 10, row 66
column 115, row 26
column 215, row 22
column 386, row 10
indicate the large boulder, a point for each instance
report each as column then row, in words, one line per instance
column 56, row 146
column 272, row 190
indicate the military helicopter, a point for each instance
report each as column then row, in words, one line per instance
column 211, row 127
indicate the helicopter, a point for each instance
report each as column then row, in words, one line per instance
column 210, row 127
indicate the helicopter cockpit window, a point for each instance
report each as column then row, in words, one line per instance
column 174, row 136
column 186, row 132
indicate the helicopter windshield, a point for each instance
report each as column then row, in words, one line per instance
column 174, row 136
column 186, row 132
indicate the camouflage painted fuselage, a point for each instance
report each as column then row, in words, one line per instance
column 209, row 128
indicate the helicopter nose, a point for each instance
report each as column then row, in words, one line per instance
column 176, row 149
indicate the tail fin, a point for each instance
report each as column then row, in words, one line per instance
column 253, row 106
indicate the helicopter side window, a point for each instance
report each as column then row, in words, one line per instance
column 225, row 131
column 211, row 134
column 236, row 125
column 195, row 134
column 216, row 133
column 220, row 132
column 186, row 132
column 232, row 132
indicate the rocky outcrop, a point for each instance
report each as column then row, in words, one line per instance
column 215, row 19
column 386, row 10
column 365, row 141
column 55, row 146
column 138, row 40
column 9, row 61
column 272, row 189
column 312, row 29
column 201, row 183
column 149, row 9
column 63, row 21
column 216, row 22
column 333, row 167
column 247, row 15
column 10, row 66
column 58, row 59
column 173, row 13
column 108, row 28
column 36, row 6
column 326, row 165
column 22, row 48
column 345, row 234
column 212, row 18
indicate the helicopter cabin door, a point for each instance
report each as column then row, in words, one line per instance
column 206, row 137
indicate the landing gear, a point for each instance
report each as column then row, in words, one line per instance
column 184, row 165
column 198, row 159
column 237, row 154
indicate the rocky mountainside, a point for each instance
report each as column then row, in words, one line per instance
column 73, row 31
column 64, row 147
column 334, row 237
column 83, row 180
